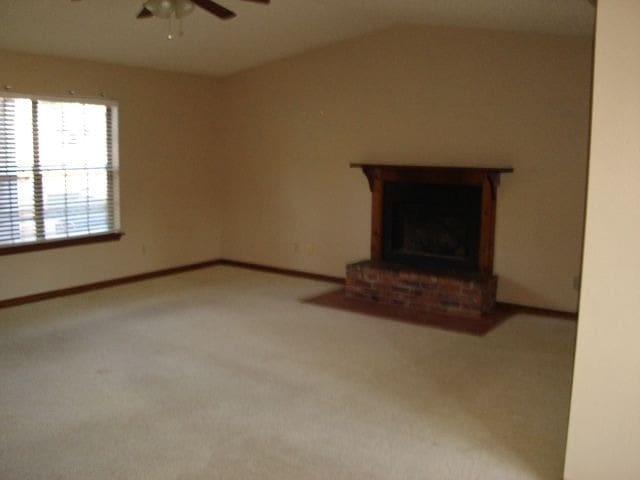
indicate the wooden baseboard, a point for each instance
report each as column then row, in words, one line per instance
column 539, row 312
column 283, row 271
column 63, row 292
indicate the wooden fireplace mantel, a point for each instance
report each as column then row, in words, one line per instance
column 486, row 178
column 431, row 174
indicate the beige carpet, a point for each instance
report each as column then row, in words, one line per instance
column 224, row 373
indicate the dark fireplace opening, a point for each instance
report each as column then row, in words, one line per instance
column 432, row 225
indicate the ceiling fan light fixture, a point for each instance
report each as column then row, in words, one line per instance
column 178, row 9
column 183, row 8
column 160, row 8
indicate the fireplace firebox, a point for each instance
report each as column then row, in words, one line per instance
column 432, row 239
column 431, row 225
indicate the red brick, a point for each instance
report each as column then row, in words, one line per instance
column 420, row 291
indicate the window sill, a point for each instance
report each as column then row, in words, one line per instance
column 66, row 242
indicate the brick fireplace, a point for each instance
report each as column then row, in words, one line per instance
column 432, row 239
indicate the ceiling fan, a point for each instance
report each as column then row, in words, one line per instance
column 182, row 8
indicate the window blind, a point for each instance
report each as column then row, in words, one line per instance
column 58, row 169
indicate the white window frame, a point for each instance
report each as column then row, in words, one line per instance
column 113, row 177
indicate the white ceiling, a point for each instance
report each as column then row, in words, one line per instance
column 107, row 30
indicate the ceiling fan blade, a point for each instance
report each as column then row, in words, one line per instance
column 212, row 7
column 144, row 13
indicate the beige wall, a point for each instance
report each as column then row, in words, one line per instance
column 169, row 173
column 412, row 95
column 604, row 429
column 254, row 167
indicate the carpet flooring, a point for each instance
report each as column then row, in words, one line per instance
column 225, row 373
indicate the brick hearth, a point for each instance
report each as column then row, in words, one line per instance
column 420, row 290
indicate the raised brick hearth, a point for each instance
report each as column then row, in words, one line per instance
column 421, row 291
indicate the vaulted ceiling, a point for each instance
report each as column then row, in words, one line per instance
column 108, row 30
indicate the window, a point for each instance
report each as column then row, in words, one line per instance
column 58, row 171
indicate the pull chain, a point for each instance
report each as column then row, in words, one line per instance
column 170, row 33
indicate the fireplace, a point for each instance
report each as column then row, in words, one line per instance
column 432, row 239
column 431, row 225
